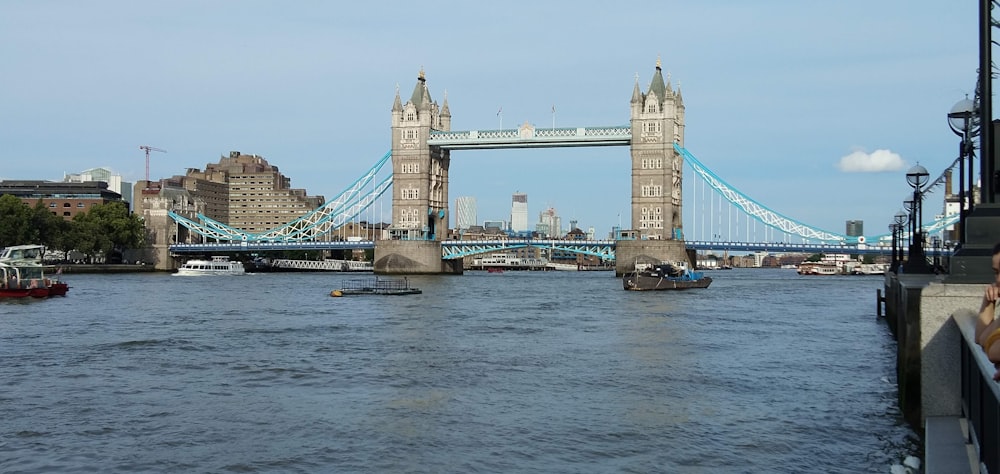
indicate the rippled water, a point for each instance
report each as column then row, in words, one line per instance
column 765, row 371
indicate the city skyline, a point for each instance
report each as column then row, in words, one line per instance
column 804, row 103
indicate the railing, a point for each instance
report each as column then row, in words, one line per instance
column 980, row 395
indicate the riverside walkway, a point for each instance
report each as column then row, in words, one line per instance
column 946, row 387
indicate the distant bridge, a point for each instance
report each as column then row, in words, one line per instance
column 604, row 249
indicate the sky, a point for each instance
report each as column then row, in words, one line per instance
column 813, row 109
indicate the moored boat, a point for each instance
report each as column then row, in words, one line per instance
column 665, row 276
column 218, row 265
column 23, row 274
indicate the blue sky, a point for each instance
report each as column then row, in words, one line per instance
column 778, row 93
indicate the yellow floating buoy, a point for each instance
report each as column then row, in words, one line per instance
column 336, row 293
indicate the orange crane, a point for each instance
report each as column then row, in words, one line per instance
column 149, row 149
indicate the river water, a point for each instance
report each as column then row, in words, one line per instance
column 766, row 371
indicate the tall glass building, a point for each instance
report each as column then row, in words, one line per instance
column 465, row 212
column 519, row 212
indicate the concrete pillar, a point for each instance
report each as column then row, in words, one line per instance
column 413, row 257
column 630, row 252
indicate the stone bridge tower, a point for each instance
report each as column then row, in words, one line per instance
column 657, row 169
column 419, row 188
column 420, row 172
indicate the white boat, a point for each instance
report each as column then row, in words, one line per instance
column 218, row 265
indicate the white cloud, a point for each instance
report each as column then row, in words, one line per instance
column 874, row 162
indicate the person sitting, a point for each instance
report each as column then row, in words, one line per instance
column 987, row 326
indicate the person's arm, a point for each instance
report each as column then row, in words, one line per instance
column 986, row 325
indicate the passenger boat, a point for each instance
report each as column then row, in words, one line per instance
column 376, row 286
column 665, row 276
column 218, row 265
column 23, row 274
column 818, row 268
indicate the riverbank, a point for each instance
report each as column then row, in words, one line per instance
column 105, row 268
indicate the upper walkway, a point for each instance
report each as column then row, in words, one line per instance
column 528, row 136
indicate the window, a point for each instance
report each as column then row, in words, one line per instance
column 66, row 204
column 52, row 204
column 411, row 116
column 79, row 204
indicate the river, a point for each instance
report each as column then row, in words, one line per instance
column 765, row 371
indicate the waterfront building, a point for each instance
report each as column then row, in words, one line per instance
column 61, row 198
column 465, row 212
column 243, row 191
column 115, row 182
column 519, row 212
column 953, row 206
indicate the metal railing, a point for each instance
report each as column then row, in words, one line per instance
column 980, row 398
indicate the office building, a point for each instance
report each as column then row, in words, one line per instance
column 62, row 199
column 855, row 228
column 519, row 212
column 465, row 212
column 549, row 224
column 115, row 182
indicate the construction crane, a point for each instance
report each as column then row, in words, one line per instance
column 149, row 149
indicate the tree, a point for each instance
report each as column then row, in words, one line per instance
column 108, row 229
column 45, row 227
column 15, row 222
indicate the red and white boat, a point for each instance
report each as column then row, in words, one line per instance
column 23, row 275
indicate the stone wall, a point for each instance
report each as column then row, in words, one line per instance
column 413, row 257
column 630, row 252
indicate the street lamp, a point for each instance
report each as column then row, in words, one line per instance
column 908, row 219
column 961, row 120
column 897, row 240
column 917, row 177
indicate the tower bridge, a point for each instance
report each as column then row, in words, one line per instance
column 420, row 156
column 422, row 142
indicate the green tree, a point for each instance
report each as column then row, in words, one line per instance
column 15, row 222
column 45, row 227
column 107, row 229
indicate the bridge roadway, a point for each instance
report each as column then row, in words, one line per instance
column 452, row 249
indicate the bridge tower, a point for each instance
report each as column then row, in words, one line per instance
column 657, row 169
column 419, row 187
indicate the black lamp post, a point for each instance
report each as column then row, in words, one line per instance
column 908, row 206
column 897, row 240
column 960, row 120
column 917, row 177
column 894, row 228
column 981, row 227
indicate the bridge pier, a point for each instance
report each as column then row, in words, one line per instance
column 630, row 252
column 413, row 257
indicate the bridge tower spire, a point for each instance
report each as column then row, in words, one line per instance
column 657, row 169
